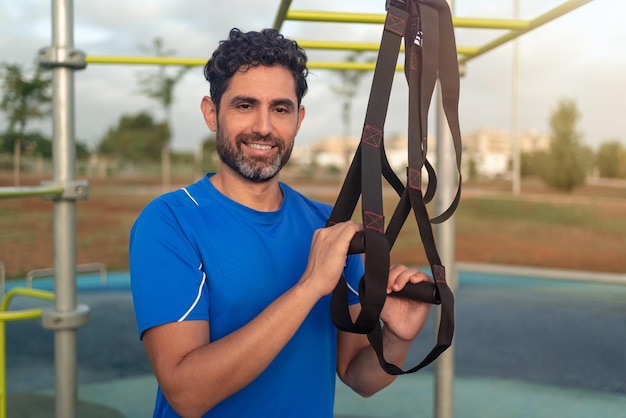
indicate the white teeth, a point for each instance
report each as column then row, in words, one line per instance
column 260, row 146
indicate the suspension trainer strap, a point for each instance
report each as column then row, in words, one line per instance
column 426, row 26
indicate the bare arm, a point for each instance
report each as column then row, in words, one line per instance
column 357, row 363
column 195, row 374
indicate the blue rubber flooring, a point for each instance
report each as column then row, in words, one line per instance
column 523, row 348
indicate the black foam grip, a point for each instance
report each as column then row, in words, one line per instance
column 422, row 291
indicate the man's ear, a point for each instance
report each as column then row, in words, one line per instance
column 209, row 112
column 301, row 113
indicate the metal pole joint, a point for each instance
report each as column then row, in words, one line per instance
column 60, row 56
column 72, row 189
column 56, row 320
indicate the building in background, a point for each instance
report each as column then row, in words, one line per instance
column 489, row 151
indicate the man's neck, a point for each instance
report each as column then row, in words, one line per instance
column 264, row 197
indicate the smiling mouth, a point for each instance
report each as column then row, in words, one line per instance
column 263, row 147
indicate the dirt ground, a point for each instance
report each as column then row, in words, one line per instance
column 104, row 219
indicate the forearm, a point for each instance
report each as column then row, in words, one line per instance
column 365, row 375
column 214, row 371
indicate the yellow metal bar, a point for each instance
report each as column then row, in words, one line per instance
column 486, row 23
column 326, row 45
column 103, row 59
column 467, row 50
column 29, row 191
column 377, row 18
column 335, row 17
column 337, row 45
column 21, row 315
column 281, row 14
column 14, row 316
column 550, row 15
column 360, row 66
column 515, row 27
column 24, row 291
column 364, row 46
column 3, row 376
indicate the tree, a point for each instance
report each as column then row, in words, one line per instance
column 36, row 144
column 33, row 143
column 159, row 85
column 531, row 163
column 23, row 99
column 347, row 90
column 135, row 138
column 611, row 160
column 566, row 162
column 210, row 159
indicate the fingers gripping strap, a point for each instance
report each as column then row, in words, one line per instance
column 426, row 26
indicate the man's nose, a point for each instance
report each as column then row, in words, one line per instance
column 262, row 123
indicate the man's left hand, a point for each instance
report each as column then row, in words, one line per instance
column 403, row 317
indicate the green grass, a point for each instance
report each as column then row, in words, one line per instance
column 537, row 213
column 584, row 230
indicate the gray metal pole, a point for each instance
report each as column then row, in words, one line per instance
column 516, row 166
column 64, row 212
column 445, row 236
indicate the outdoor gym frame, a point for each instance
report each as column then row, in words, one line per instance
column 65, row 190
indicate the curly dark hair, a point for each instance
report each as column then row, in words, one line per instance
column 243, row 50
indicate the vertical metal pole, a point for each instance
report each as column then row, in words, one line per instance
column 64, row 212
column 445, row 236
column 515, row 108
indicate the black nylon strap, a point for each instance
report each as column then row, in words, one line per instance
column 365, row 173
column 426, row 26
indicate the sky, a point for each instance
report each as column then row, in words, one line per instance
column 578, row 56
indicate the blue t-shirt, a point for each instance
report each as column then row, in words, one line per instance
column 197, row 255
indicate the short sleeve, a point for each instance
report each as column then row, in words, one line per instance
column 167, row 278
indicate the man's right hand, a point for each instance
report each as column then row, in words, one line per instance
column 327, row 257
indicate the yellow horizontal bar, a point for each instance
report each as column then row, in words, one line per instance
column 377, row 18
column 363, row 46
column 334, row 17
column 24, row 291
column 29, row 191
column 485, row 23
column 102, row 59
column 516, row 28
column 21, row 315
column 359, row 66
column 346, row 46
column 306, row 44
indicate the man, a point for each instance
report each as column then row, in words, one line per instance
column 231, row 276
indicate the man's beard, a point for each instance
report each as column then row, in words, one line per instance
column 256, row 169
